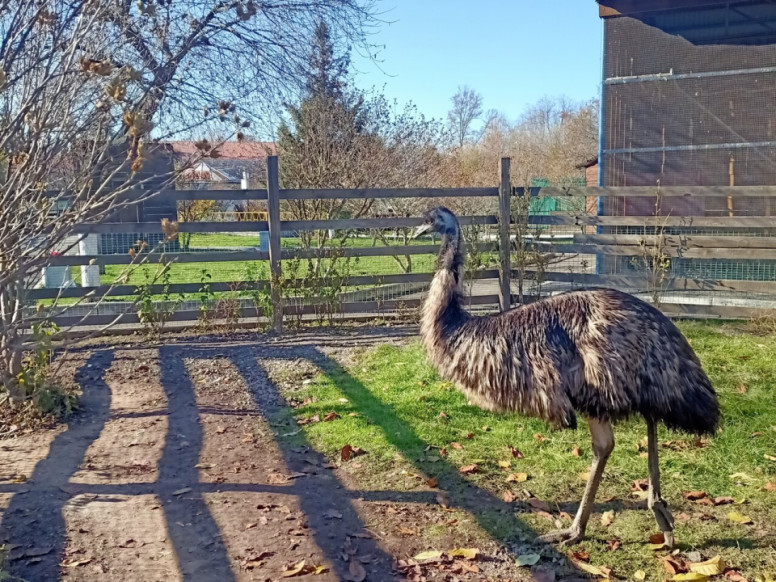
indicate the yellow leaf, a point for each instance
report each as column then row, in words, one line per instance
column 584, row 476
column 468, row 553
column 518, row 477
column 607, row 518
column 430, row 555
column 590, row 569
column 690, row 577
column 503, row 464
column 712, row 567
column 770, row 457
column 639, row 574
column 736, row 517
column 320, row 570
column 294, row 570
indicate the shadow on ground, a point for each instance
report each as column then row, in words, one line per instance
column 34, row 527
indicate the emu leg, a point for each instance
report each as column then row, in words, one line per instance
column 603, row 443
column 665, row 520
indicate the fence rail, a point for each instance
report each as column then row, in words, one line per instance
column 720, row 265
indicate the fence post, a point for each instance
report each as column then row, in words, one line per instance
column 273, row 210
column 504, row 220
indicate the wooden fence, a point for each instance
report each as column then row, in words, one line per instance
column 605, row 240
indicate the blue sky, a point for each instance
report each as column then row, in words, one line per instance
column 513, row 52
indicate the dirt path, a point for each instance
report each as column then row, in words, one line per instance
column 176, row 469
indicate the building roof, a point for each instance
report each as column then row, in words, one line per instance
column 234, row 150
column 750, row 22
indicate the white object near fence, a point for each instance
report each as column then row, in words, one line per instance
column 90, row 274
column 56, row 278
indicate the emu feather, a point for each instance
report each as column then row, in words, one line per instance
column 601, row 353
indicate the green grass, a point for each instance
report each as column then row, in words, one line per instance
column 404, row 414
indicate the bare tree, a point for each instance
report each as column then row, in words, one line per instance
column 466, row 109
column 83, row 85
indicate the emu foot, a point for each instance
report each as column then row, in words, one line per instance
column 566, row 537
column 665, row 521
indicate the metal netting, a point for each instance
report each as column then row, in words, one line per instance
column 677, row 113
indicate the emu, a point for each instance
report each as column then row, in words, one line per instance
column 599, row 352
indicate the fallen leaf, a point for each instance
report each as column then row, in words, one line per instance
column 580, row 555
column 639, row 575
column 694, row 495
column 468, row 469
column 430, row 555
column 332, row 514
column 607, row 518
column 711, row 567
column 528, row 559
column 723, row 500
column 356, row 572
column 539, row 504
column 466, row 553
column 590, row 569
column 674, row 565
column 754, row 435
column 295, row 570
column 735, row 576
column 251, row 525
column 584, row 476
column 320, row 570
column 741, row 389
column 432, row 482
column 406, row 531
column 770, row 487
column 331, row 416
column 442, row 415
column 770, row 457
column 504, row 464
column 348, row 452
column 515, row 453
column 77, row 563
column 221, row 430
column 736, row 517
column 485, row 429
column 470, row 435
column 576, row 452
column 640, row 485
column 182, row 491
column 509, row 497
column 690, row 577
column 539, row 437
column 546, row 515
column 658, row 538
column 613, row 545
column 517, row 477
column 443, row 499
column 457, row 446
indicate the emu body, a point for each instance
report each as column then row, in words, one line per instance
column 601, row 353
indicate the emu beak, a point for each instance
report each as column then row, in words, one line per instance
column 422, row 229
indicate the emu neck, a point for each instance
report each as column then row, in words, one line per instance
column 442, row 312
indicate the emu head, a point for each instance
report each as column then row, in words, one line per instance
column 439, row 220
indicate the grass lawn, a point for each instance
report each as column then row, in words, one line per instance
column 415, row 427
